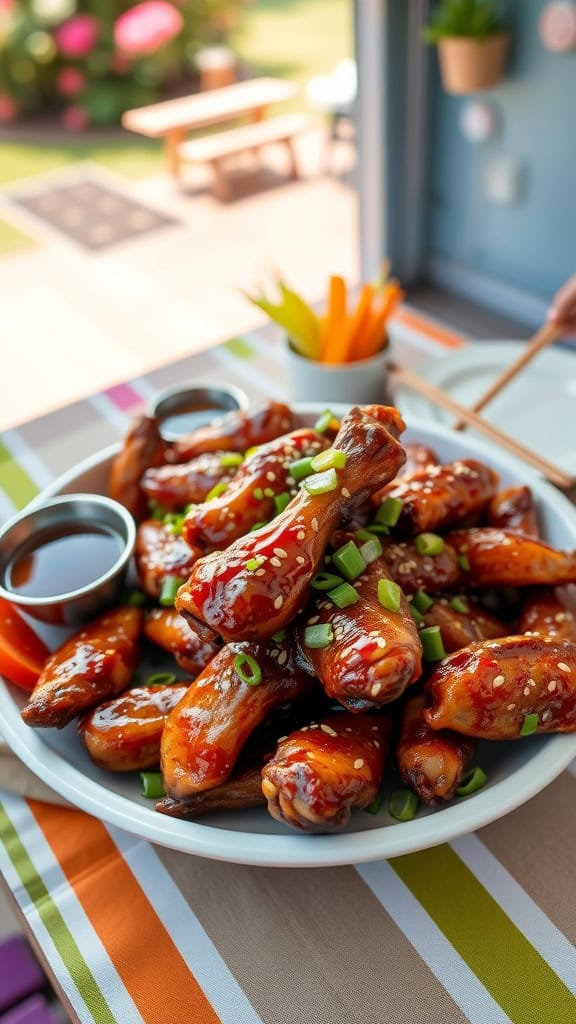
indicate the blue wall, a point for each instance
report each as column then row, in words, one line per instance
column 531, row 245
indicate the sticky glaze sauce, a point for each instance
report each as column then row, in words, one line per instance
column 62, row 560
column 191, row 417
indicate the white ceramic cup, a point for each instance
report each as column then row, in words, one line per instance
column 362, row 382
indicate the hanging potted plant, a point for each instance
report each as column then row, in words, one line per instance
column 472, row 44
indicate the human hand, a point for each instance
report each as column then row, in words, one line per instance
column 563, row 308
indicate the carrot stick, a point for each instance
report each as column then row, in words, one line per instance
column 337, row 322
column 360, row 320
column 372, row 341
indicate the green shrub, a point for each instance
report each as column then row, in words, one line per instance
column 473, row 19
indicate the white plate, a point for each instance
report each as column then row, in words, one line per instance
column 516, row 770
column 538, row 408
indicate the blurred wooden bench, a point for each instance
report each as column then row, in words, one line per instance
column 215, row 149
column 173, row 119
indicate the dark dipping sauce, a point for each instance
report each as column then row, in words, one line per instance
column 189, row 418
column 62, row 560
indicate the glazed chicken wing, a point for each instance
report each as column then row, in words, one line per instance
column 501, row 690
column 205, row 733
column 143, row 447
column 513, row 509
column 93, row 665
column 192, row 648
column 321, row 772
column 160, row 553
column 258, row 584
column 413, row 571
column 440, row 496
column 550, row 612
column 236, row 432
column 174, row 487
column 123, row 735
column 242, row 790
column 373, row 653
column 432, row 762
column 250, row 497
column 418, row 456
column 502, row 558
column 465, row 624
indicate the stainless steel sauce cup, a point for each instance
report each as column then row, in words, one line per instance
column 206, row 396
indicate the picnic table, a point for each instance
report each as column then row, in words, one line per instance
column 172, row 120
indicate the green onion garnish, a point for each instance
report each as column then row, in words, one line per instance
column 158, row 512
column 160, row 679
column 429, row 544
column 459, row 605
column 324, row 421
column 348, row 561
column 390, row 511
column 332, row 458
column 422, row 601
column 248, row 669
column 258, row 493
column 318, row 636
column 432, row 643
column 403, row 804
column 229, row 459
column 389, row 595
column 170, row 587
column 378, row 529
column 301, row 468
column 464, row 563
column 322, row 483
column 216, row 491
column 473, row 780
column 364, row 534
column 416, row 615
column 281, row 501
column 325, row 581
column 279, row 636
column 529, row 725
column 371, row 550
column 152, row 785
column 136, row 599
column 254, row 563
column 376, row 804
column 251, row 451
column 344, row 595
column 257, row 526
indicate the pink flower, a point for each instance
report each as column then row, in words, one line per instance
column 146, row 27
column 8, row 108
column 70, row 81
column 77, row 37
column 75, row 119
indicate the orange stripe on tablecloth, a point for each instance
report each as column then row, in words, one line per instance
column 138, row 944
column 445, row 337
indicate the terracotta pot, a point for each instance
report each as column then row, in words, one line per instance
column 469, row 66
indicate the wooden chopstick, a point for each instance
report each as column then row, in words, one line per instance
column 412, row 380
column 544, row 337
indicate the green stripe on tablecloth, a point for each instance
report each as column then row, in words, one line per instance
column 14, row 480
column 509, row 967
column 54, row 923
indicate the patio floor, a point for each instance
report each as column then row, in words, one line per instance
column 76, row 320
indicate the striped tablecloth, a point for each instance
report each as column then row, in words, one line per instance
column 480, row 930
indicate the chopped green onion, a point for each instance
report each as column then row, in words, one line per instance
column 301, row 468
column 254, row 563
column 459, row 605
column 376, row 804
column 378, row 529
column 429, row 544
column 389, row 595
column 160, row 679
column 348, row 561
column 174, row 524
column 170, row 587
column 464, row 563
column 332, row 458
column 322, row 483
column 281, row 501
column 158, row 512
column 422, row 601
column 258, row 493
column 268, row 492
column 216, row 491
column 248, row 669
column 318, row 636
column 344, row 595
column 472, row 781
column 257, row 526
column 416, row 615
column 390, row 511
column 325, row 581
column 371, row 550
column 324, row 421
column 135, row 599
column 251, row 451
column 229, row 459
column 403, row 804
column 432, row 643
column 152, row 785
column 364, row 534
column 279, row 636
column 529, row 725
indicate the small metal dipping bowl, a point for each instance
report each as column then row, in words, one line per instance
column 217, row 399
column 73, row 510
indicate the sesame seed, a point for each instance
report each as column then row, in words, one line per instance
column 563, row 666
column 260, row 572
column 283, row 657
column 376, row 744
column 345, row 492
column 300, row 535
column 270, row 475
column 327, row 729
column 313, row 620
column 526, row 691
column 552, row 686
column 380, row 641
column 279, row 601
column 510, row 707
column 314, row 525
column 560, row 616
column 275, row 562
column 531, row 682
column 376, row 689
column 300, row 559
column 547, row 716
column 280, row 552
column 359, row 762
column 497, row 682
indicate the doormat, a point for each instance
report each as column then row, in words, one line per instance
column 93, row 215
